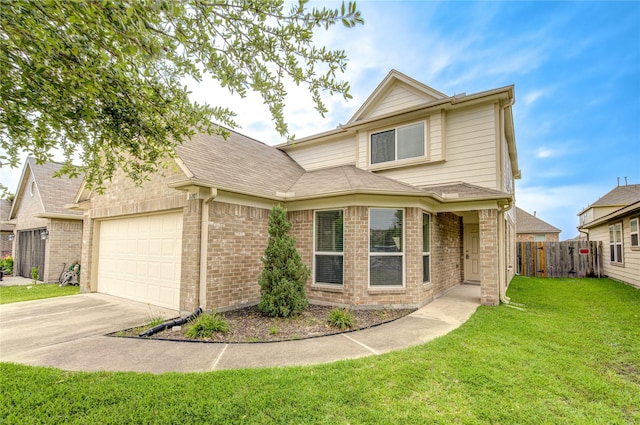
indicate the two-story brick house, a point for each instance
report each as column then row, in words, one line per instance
column 412, row 196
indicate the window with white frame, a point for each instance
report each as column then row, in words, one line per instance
column 329, row 247
column 386, row 247
column 615, row 243
column 398, row 143
column 539, row 238
column 633, row 227
column 426, row 248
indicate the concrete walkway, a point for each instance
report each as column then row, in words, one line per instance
column 69, row 333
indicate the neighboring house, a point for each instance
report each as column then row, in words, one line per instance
column 6, row 229
column 411, row 197
column 48, row 235
column 614, row 220
column 530, row 228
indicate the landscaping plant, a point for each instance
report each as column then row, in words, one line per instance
column 206, row 325
column 34, row 274
column 284, row 275
column 341, row 318
column 6, row 264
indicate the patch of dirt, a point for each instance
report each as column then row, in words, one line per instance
column 250, row 325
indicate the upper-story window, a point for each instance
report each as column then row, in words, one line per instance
column 398, row 143
column 615, row 243
column 634, row 232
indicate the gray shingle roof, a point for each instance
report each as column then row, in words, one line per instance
column 5, row 208
column 239, row 164
column 54, row 192
column 347, row 178
column 463, row 191
column 619, row 196
column 527, row 223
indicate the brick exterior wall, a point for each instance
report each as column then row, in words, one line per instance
column 530, row 237
column 64, row 246
column 238, row 236
column 355, row 291
column 190, row 267
column 489, row 283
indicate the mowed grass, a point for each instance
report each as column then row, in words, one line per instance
column 17, row 293
column 572, row 355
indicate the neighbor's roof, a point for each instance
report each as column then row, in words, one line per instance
column 632, row 208
column 5, row 208
column 618, row 197
column 54, row 192
column 527, row 223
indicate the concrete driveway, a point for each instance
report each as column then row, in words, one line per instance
column 69, row 333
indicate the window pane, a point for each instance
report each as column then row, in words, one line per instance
column 619, row 253
column 633, row 224
column 329, row 231
column 612, row 252
column 411, row 141
column 329, row 269
column 426, row 275
column 426, row 237
column 385, row 271
column 618, row 232
column 383, row 146
column 634, row 239
column 610, row 234
column 385, row 231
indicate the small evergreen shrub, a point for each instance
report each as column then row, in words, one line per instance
column 341, row 319
column 34, row 274
column 284, row 274
column 206, row 325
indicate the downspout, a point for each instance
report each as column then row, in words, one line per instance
column 204, row 248
column 502, row 284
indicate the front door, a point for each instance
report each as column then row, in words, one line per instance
column 471, row 253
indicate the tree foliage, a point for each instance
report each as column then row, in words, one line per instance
column 284, row 275
column 104, row 78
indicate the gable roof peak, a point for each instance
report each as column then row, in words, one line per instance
column 394, row 79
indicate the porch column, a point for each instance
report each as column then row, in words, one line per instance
column 489, row 279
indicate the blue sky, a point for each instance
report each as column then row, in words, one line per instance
column 575, row 67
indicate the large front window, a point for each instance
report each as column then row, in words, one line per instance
column 386, row 247
column 329, row 247
column 615, row 243
column 398, row 143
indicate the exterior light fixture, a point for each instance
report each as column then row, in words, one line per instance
column 44, row 234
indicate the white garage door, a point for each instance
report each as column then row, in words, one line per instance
column 140, row 257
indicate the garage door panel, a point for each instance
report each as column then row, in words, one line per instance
column 140, row 258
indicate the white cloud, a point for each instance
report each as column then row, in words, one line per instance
column 544, row 153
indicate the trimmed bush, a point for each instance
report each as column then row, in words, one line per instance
column 284, row 275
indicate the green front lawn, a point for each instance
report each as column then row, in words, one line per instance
column 571, row 355
column 14, row 294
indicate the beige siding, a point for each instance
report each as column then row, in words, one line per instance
column 470, row 152
column 325, row 155
column 399, row 97
column 629, row 271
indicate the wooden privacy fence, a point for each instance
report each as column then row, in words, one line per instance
column 559, row 259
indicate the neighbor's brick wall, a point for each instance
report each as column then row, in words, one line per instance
column 238, row 236
column 64, row 246
column 446, row 252
column 530, row 237
column 489, row 283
